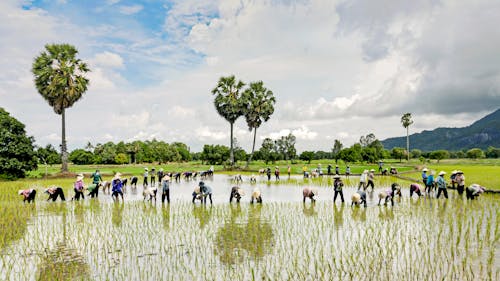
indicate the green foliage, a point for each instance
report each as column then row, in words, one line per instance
column 416, row 153
column 229, row 103
column 17, row 153
column 259, row 108
column 285, row 146
column 214, row 154
column 439, row 155
column 81, row 157
column 121, row 158
column 475, row 153
column 398, row 153
column 48, row 155
column 307, row 156
column 493, row 152
column 60, row 80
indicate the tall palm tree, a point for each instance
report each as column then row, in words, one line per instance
column 260, row 106
column 406, row 121
column 59, row 78
column 229, row 104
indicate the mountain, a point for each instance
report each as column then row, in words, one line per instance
column 481, row 134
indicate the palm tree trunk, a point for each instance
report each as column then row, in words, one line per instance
column 253, row 147
column 407, row 144
column 231, row 153
column 64, row 153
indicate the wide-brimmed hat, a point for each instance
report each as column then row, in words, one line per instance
column 161, row 169
column 166, row 178
column 454, row 172
column 425, row 170
column 441, row 173
column 79, row 177
column 20, row 192
column 336, row 177
column 145, row 169
column 46, row 190
column 118, row 175
column 372, row 170
column 201, row 183
column 365, row 171
column 459, row 172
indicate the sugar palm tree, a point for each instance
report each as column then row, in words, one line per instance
column 59, row 78
column 259, row 108
column 229, row 104
column 406, row 121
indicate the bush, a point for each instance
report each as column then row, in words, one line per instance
column 17, row 154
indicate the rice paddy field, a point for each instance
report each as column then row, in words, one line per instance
column 283, row 239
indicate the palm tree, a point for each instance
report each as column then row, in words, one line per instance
column 59, row 78
column 260, row 106
column 229, row 104
column 406, row 121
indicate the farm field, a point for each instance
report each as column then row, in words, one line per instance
column 282, row 239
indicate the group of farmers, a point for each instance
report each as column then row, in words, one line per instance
column 203, row 191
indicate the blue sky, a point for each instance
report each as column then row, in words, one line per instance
column 338, row 69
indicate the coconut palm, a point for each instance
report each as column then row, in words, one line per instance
column 406, row 121
column 59, row 78
column 260, row 106
column 229, row 104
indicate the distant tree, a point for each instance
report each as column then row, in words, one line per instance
column 493, row 152
column 351, row 154
column 307, row 156
column 183, row 150
column 475, row 153
column 286, row 146
column 259, row 108
column 89, row 146
column 121, row 158
column 229, row 104
column 214, row 154
column 439, row 155
column 398, row 153
column 406, row 121
column 337, row 147
column 268, row 150
column 17, row 154
column 59, row 78
column 48, row 155
column 367, row 140
column 105, row 153
column 81, row 157
column 415, row 153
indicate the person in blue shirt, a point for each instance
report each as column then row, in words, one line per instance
column 429, row 184
column 441, row 184
column 117, row 187
column 424, row 176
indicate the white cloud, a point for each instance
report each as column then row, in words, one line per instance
column 108, row 59
column 207, row 134
column 130, row 10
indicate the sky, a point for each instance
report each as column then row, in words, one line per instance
column 338, row 69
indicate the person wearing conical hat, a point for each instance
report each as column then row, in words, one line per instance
column 460, row 181
column 78, row 187
column 117, row 188
column 28, row 194
column 371, row 178
column 96, row 179
column 337, row 185
column 441, row 184
column 424, row 175
column 165, row 188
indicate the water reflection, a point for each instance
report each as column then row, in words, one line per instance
column 79, row 212
column 385, row 213
column 237, row 240
column 338, row 216
column 63, row 263
column 117, row 214
column 359, row 214
column 308, row 209
column 165, row 214
column 202, row 213
column 15, row 218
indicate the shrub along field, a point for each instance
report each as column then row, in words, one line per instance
column 417, row 239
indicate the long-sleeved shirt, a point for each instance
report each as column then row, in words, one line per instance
column 441, row 182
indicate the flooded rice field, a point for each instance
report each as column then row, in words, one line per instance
column 282, row 239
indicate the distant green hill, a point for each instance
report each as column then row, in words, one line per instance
column 482, row 133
